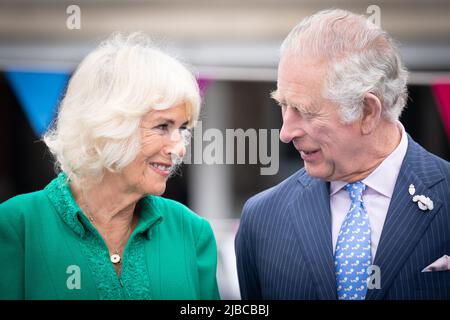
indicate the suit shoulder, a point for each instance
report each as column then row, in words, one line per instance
column 433, row 170
column 431, row 161
column 444, row 168
column 418, row 154
column 443, row 164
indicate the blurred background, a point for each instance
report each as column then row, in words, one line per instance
column 233, row 47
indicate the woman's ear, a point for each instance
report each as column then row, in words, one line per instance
column 371, row 113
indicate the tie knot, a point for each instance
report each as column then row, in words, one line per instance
column 355, row 190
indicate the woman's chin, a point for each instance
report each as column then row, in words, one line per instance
column 156, row 190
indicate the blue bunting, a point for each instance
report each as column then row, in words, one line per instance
column 39, row 93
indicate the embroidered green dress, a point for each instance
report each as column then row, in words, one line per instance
column 50, row 250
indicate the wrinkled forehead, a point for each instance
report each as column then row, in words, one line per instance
column 302, row 67
column 300, row 77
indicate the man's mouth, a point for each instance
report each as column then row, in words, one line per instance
column 309, row 155
column 308, row 152
column 304, row 150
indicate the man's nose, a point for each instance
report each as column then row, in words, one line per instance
column 291, row 126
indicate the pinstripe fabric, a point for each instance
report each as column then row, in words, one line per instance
column 284, row 247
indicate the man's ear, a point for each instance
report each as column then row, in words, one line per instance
column 371, row 113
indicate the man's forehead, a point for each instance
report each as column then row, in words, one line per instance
column 292, row 58
column 301, row 69
column 299, row 85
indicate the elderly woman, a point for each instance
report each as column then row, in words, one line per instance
column 100, row 229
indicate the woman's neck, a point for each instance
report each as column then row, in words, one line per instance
column 108, row 204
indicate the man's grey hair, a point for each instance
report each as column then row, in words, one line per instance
column 361, row 56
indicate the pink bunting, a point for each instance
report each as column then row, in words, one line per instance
column 203, row 84
column 441, row 90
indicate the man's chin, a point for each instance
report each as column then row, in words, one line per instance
column 316, row 172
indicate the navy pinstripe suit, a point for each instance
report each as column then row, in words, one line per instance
column 284, row 247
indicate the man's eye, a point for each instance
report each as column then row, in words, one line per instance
column 303, row 113
column 282, row 105
column 308, row 115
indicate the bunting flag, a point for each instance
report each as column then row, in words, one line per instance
column 39, row 94
column 441, row 90
column 203, row 83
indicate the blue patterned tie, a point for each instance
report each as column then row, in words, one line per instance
column 353, row 256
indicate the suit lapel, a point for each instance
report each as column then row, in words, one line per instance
column 311, row 216
column 405, row 223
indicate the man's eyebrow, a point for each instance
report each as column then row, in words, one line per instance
column 299, row 106
column 275, row 95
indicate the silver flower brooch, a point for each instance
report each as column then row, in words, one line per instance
column 424, row 203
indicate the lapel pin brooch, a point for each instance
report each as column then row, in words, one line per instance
column 423, row 202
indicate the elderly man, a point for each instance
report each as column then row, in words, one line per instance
column 368, row 217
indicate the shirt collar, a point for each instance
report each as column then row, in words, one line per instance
column 384, row 177
column 150, row 216
column 59, row 193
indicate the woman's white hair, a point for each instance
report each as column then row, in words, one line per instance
column 361, row 58
column 124, row 78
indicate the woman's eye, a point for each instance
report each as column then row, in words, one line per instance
column 185, row 131
column 163, row 127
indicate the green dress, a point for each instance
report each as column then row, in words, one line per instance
column 49, row 250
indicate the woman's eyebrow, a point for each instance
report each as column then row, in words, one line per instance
column 164, row 119
column 168, row 121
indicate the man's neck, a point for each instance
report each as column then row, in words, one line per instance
column 379, row 145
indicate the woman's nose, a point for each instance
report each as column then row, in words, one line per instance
column 176, row 146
